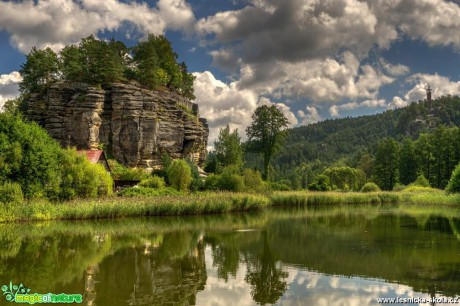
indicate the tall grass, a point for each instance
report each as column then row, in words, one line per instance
column 112, row 207
column 208, row 203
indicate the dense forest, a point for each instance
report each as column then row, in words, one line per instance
column 354, row 142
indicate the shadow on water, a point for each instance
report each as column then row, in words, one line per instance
column 168, row 260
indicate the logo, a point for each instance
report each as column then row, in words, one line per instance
column 21, row 294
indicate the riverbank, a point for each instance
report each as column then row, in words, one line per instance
column 206, row 203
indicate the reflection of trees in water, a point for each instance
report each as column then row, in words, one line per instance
column 266, row 277
column 264, row 273
column 171, row 272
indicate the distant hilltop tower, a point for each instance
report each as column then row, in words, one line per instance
column 428, row 95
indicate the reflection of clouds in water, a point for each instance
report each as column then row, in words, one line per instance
column 218, row 292
column 313, row 288
column 304, row 288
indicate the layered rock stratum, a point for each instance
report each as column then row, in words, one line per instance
column 133, row 124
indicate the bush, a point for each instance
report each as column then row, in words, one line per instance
column 82, row 179
column 279, row 186
column 421, row 181
column 155, row 182
column 179, row 175
column 370, row 187
column 212, row 182
column 11, row 193
column 419, row 189
column 253, row 180
column 230, row 182
column 121, row 172
column 399, row 187
column 321, row 183
column 454, row 183
column 29, row 157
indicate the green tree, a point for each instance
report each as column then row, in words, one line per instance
column 179, row 175
column 386, row 163
column 228, row 149
column 72, row 63
column 39, row 71
column 103, row 61
column 407, row 163
column 156, row 65
column 266, row 133
column 345, row 178
column 454, row 182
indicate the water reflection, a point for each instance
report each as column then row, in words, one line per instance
column 335, row 255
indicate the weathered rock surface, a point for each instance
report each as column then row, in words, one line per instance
column 133, row 124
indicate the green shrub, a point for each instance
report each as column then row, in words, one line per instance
column 454, row 183
column 399, row 187
column 279, row 186
column 29, row 157
column 179, row 175
column 212, row 182
column 321, row 183
column 419, row 189
column 253, row 180
column 81, row 178
column 11, row 193
column 120, row 172
column 155, row 182
column 370, row 187
column 421, row 181
column 230, row 182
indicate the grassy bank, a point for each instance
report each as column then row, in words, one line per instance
column 207, row 203
column 119, row 207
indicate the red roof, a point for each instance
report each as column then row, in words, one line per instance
column 92, row 155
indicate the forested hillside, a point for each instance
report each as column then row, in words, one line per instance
column 343, row 142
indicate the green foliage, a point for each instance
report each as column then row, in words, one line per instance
column 370, row 187
column 345, row 178
column 228, row 149
column 211, row 163
column 253, row 180
column 230, row 181
column 30, row 157
column 100, row 62
column 266, row 133
column 407, row 163
column 276, row 186
column 154, row 182
column 321, row 183
column 421, row 181
column 39, row 71
column 386, row 163
column 120, row 172
column 81, row 178
column 179, row 175
column 454, row 182
column 212, row 182
column 156, row 65
column 11, row 193
column 419, row 189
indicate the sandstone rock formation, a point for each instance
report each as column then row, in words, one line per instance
column 134, row 125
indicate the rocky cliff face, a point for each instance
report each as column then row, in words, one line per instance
column 133, row 124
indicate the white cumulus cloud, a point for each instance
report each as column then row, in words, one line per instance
column 55, row 23
column 9, row 87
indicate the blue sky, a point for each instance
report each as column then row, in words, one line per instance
column 313, row 59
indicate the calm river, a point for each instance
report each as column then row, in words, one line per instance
column 351, row 255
